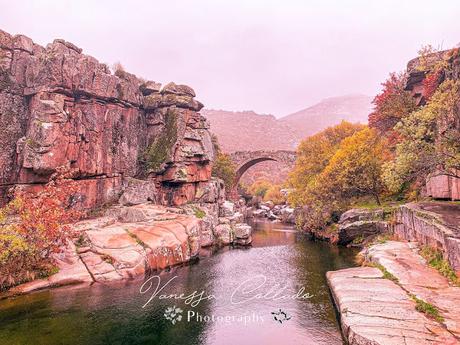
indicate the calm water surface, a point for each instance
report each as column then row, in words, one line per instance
column 113, row 314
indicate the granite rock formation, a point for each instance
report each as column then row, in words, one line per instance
column 438, row 185
column 59, row 107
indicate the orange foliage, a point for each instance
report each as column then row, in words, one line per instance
column 33, row 227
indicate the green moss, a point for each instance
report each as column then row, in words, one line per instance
column 160, row 150
column 427, row 308
column 199, row 213
column 436, row 260
column 32, row 143
column 358, row 240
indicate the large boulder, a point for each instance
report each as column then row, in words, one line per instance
column 242, row 234
column 356, row 225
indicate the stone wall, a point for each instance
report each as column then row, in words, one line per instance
column 59, row 107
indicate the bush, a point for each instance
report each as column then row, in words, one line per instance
column 260, row 188
column 274, row 194
column 33, row 227
column 224, row 169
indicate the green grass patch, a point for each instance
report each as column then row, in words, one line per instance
column 386, row 274
column 137, row 239
column 427, row 308
column 199, row 213
column 436, row 260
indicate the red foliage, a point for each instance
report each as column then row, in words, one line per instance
column 44, row 217
column 430, row 84
column 391, row 104
column 37, row 226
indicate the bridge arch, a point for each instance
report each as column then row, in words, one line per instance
column 244, row 160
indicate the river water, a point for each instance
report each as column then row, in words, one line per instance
column 240, row 289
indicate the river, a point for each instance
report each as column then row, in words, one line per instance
column 282, row 273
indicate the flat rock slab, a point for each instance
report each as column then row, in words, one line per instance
column 403, row 261
column 376, row 311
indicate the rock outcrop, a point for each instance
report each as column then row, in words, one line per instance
column 413, row 275
column 435, row 224
column 128, row 242
column 59, row 107
column 376, row 311
column 360, row 225
column 438, row 185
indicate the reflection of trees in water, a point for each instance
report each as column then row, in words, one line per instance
column 312, row 261
column 113, row 314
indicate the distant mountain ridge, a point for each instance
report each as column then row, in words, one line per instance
column 247, row 130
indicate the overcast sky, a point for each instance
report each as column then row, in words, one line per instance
column 268, row 56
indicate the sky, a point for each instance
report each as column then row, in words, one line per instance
column 273, row 57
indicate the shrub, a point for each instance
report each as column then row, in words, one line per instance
column 274, row 194
column 33, row 227
column 224, row 169
column 260, row 188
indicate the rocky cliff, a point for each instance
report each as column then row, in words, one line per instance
column 59, row 107
column 438, row 186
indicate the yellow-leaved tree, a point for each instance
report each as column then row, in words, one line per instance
column 356, row 167
column 313, row 155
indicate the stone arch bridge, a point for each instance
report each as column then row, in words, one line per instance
column 243, row 160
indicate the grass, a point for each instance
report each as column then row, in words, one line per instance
column 436, row 260
column 138, row 240
column 381, row 239
column 199, row 213
column 386, row 274
column 427, row 308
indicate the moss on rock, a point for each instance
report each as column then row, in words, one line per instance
column 159, row 151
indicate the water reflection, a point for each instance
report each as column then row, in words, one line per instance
column 113, row 314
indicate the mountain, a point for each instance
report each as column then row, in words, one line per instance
column 328, row 112
column 247, row 130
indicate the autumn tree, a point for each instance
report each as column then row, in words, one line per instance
column 430, row 140
column 313, row 155
column 259, row 188
column 391, row 105
column 355, row 169
column 274, row 194
column 33, row 227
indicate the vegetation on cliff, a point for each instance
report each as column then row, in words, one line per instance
column 33, row 228
column 159, row 152
column 223, row 167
